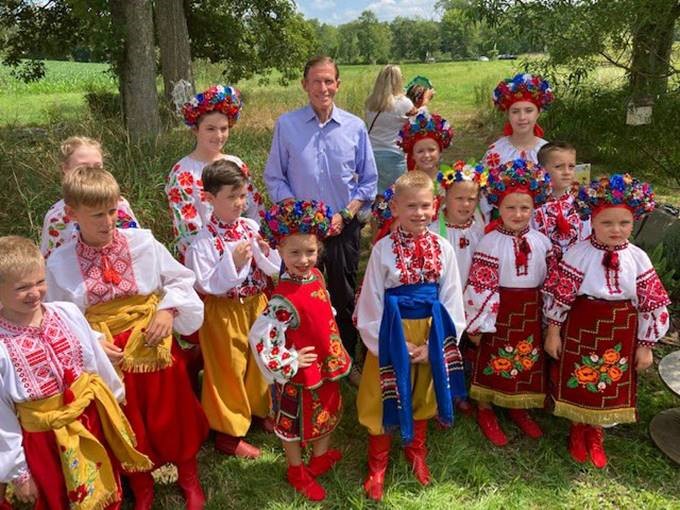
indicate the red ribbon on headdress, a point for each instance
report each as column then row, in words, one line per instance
column 610, row 260
column 597, row 210
column 522, row 256
column 538, row 130
column 410, row 162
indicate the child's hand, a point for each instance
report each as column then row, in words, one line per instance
column 475, row 339
column 553, row 343
column 159, row 328
column 306, row 357
column 113, row 352
column 643, row 358
column 26, row 492
column 242, row 254
column 420, row 355
column 264, row 246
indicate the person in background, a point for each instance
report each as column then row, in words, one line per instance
column 387, row 109
column 420, row 91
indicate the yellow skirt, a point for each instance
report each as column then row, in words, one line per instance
column 369, row 398
column 233, row 387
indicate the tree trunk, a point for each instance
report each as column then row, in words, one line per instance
column 140, row 98
column 652, row 45
column 174, row 44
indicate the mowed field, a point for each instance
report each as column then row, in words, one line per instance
column 467, row 471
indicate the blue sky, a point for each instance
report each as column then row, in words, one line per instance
column 337, row 12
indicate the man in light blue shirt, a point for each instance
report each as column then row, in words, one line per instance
column 321, row 152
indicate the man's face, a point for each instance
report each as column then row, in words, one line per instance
column 321, row 86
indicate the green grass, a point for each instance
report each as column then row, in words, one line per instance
column 468, row 472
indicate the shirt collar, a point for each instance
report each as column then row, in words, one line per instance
column 310, row 115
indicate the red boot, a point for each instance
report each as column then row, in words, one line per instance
column 142, row 488
column 526, row 423
column 487, row 421
column 416, row 452
column 187, row 479
column 303, row 482
column 323, row 463
column 577, row 442
column 237, row 446
column 378, row 458
column 595, row 445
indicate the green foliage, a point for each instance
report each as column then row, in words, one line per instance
column 414, row 39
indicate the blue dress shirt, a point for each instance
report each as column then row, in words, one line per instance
column 332, row 162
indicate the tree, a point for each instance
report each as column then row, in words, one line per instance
column 414, row 39
column 634, row 35
column 326, row 38
column 375, row 40
column 172, row 34
column 348, row 43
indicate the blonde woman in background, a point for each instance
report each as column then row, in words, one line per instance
column 387, row 109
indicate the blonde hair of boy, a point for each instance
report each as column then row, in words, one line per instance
column 18, row 256
column 411, row 181
column 90, row 186
column 69, row 146
column 388, row 85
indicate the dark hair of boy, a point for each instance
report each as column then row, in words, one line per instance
column 222, row 173
column 550, row 147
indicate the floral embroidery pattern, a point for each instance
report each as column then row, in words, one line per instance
column 82, row 488
column 512, row 361
column 596, row 373
column 564, row 283
column 650, row 291
column 483, row 273
column 322, row 420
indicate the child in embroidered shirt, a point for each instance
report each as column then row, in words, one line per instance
column 51, row 362
column 602, row 281
column 298, row 345
column 558, row 218
column 231, row 263
column 211, row 115
column 135, row 293
column 412, row 273
column 503, row 305
column 58, row 227
column 422, row 139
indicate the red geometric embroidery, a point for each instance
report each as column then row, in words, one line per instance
column 484, row 273
column 563, row 284
column 418, row 260
column 651, row 292
column 40, row 355
column 92, row 270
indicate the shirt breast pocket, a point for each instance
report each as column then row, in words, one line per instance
column 341, row 164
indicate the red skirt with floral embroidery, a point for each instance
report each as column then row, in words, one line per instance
column 595, row 381
column 509, row 365
column 163, row 411
column 42, row 457
column 307, row 414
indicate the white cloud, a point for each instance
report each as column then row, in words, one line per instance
column 329, row 11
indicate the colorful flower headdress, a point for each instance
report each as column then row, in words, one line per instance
column 618, row 190
column 462, row 171
column 218, row 98
column 518, row 176
column 295, row 217
column 425, row 126
column 523, row 87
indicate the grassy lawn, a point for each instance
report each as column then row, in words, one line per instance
column 467, row 471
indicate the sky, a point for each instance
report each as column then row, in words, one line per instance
column 337, row 12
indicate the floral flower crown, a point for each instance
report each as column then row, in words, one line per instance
column 218, row 98
column 295, row 217
column 381, row 207
column 425, row 126
column 523, row 87
column 518, row 176
column 462, row 171
column 617, row 190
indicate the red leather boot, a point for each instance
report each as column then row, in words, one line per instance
column 187, row 479
column 378, row 458
column 525, row 422
column 488, row 423
column 236, row 446
column 416, row 452
column 142, row 488
column 595, row 445
column 323, row 463
column 577, row 442
column 303, row 482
